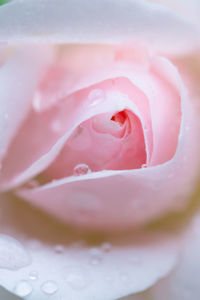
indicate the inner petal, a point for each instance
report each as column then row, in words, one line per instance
column 104, row 142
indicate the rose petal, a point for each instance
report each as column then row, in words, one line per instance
column 25, row 161
column 83, row 267
column 188, row 9
column 183, row 283
column 148, row 83
column 97, row 22
column 18, row 79
column 90, row 199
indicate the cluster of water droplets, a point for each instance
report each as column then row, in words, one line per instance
column 77, row 277
column 24, row 287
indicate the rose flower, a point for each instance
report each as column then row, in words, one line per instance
column 99, row 127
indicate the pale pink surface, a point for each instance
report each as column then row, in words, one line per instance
column 80, row 267
column 164, row 31
column 19, row 78
column 103, row 22
column 151, row 91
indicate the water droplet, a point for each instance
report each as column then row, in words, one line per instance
column 81, row 169
column 144, row 166
column 49, row 287
column 13, row 255
column 95, row 96
column 96, row 93
column 33, row 275
column 23, row 288
column 106, row 247
column 59, row 249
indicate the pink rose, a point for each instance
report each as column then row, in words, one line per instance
column 102, row 135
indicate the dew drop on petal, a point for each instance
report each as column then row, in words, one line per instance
column 96, row 93
column 95, row 96
column 144, row 166
column 49, row 287
column 81, row 169
column 23, row 288
column 33, row 275
column 13, row 255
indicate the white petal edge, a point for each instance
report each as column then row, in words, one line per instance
column 105, row 21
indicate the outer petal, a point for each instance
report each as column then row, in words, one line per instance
column 188, row 9
column 106, row 21
column 18, row 80
column 183, row 283
column 81, row 267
